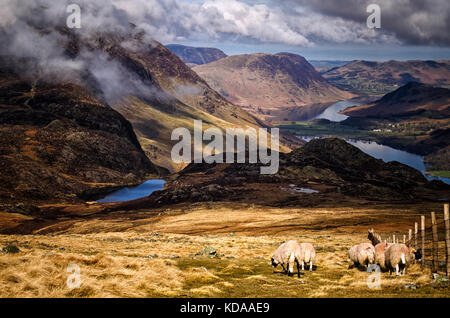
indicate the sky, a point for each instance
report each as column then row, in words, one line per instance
column 326, row 29
column 315, row 29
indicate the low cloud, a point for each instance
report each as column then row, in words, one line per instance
column 418, row 22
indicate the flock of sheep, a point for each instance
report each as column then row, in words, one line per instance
column 389, row 256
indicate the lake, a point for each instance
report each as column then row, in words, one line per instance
column 373, row 149
column 388, row 154
column 136, row 192
column 332, row 112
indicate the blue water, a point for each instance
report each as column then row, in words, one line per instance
column 133, row 193
column 332, row 112
column 388, row 154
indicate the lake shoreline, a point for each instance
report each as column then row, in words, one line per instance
column 333, row 123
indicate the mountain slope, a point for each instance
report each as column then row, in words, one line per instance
column 411, row 98
column 382, row 77
column 58, row 140
column 269, row 81
column 321, row 172
column 169, row 95
column 196, row 55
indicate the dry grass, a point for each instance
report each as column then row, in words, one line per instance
column 117, row 255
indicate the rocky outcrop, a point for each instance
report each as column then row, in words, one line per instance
column 57, row 140
column 331, row 166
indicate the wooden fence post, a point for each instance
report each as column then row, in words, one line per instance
column 410, row 237
column 393, row 238
column 447, row 237
column 416, row 233
column 404, row 239
column 435, row 243
column 422, row 227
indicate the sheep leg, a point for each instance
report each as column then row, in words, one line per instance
column 291, row 264
column 284, row 268
column 298, row 269
column 303, row 265
column 310, row 266
column 396, row 270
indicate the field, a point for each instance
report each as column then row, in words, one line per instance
column 157, row 253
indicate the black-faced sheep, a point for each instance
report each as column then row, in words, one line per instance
column 362, row 254
column 374, row 238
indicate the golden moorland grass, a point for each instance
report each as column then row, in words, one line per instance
column 155, row 256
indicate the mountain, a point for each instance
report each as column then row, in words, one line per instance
column 268, row 82
column 367, row 77
column 196, row 55
column 410, row 99
column 323, row 66
column 57, row 140
column 180, row 96
column 99, row 115
column 415, row 117
column 320, row 172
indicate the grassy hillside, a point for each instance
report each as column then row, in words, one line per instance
column 155, row 256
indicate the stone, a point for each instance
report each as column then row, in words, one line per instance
column 10, row 249
column 207, row 251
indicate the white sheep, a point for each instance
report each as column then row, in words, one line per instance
column 380, row 250
column 398, row 257
column 306, row 253
column 362, row 254
column 285, row 256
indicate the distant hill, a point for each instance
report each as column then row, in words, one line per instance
column 367, row 77
column 409, row 99
column 323, row 66
column 331, row 169
column 269, row 81
column 196, row 55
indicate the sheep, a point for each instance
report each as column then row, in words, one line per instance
column 374, row 238
column 362, row 254
column 285, row 254
column 306, row 253
column 380, row 249
column 398, row 257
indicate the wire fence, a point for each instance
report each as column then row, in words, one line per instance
column 432, row 242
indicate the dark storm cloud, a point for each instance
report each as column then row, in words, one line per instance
column 422, row 22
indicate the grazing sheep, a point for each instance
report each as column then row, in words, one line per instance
column 306, row 253
column 398, row 257
column 374, row 238
column 380, row 248
column 362, row 254
column 285, row 255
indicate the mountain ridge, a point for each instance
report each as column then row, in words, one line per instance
column 373, row 77
column 196, row 55
column 269, row 81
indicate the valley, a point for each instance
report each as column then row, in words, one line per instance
column 177, row 170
